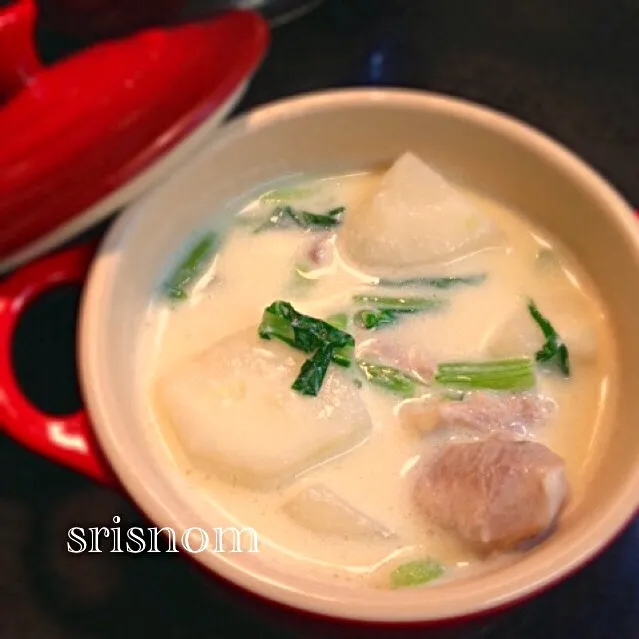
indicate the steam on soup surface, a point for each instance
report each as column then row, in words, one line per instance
column 393, row 380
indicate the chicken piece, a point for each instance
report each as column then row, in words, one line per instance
column 319, row 250
column 316, row 252
column 321, row 510
column 415, row 218
column 410, row 359
column 493, row 494
column 482, row 411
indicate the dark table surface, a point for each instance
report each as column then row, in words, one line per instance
column 569, row 68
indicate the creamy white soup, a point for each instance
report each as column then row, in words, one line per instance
column 393, row 380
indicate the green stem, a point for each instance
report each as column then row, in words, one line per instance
column 505, row 374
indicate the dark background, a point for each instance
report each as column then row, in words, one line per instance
column 569, row 68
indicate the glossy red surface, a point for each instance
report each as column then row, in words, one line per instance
column 18, row 59
column 88, row 125
column 65, row 440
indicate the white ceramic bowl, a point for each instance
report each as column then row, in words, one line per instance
column 329, row 132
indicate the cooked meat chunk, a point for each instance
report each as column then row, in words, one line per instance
column 413, row 359
column 482, row 411
column 494, row 494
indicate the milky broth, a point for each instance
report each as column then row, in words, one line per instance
column 252, row 270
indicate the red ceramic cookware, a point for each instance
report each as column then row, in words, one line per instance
column 83, row 137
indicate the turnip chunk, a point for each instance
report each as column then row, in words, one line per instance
column 483, row 412
column 415, row 218
column 493, row 494
column 321, row 510
column 235, row 414
column 519, row 335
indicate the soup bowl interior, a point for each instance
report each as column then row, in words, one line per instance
column 329, row 133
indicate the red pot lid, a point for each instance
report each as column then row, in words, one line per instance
column 83, row 137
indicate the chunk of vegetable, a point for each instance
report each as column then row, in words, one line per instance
column 311, row 335
column 177, row 285
column 369, row 318
column 234, row 412
column 322, row 511
column 504, row 374
column 415, row 217
column 389, row 309
column 415, row 573
column 313, row 371
column 391, row 379
column 553, row 350
column 281, row 321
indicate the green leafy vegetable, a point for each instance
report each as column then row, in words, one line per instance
column 310, row 335
column 279, row 196
column 553, row 350
column 178, row 283
column 388, row 309
column 436, row 282
column 402, row 304
column 307, row 219
column 281, row 321
column 501, row 374
column 287, row 216
column 391, row 379
column 313, row 371
column 415, row 573
column 338, row 320
column 370, row 318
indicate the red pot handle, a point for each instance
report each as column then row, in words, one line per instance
column 19, row 61
column 66, row 440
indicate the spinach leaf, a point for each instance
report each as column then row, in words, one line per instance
column 287, row 217
column 502, row 374
column 181, row 279
column 415, row 573
column 313, row 371
column 387, row 310
column 310, row 335
column 374, row 318
column 553, row 349
column 390, row 379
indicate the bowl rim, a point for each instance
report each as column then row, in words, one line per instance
column 104, row 272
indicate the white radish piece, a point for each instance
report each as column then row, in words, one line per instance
column 415, row 218
column 321, row 510
column 235, row 413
